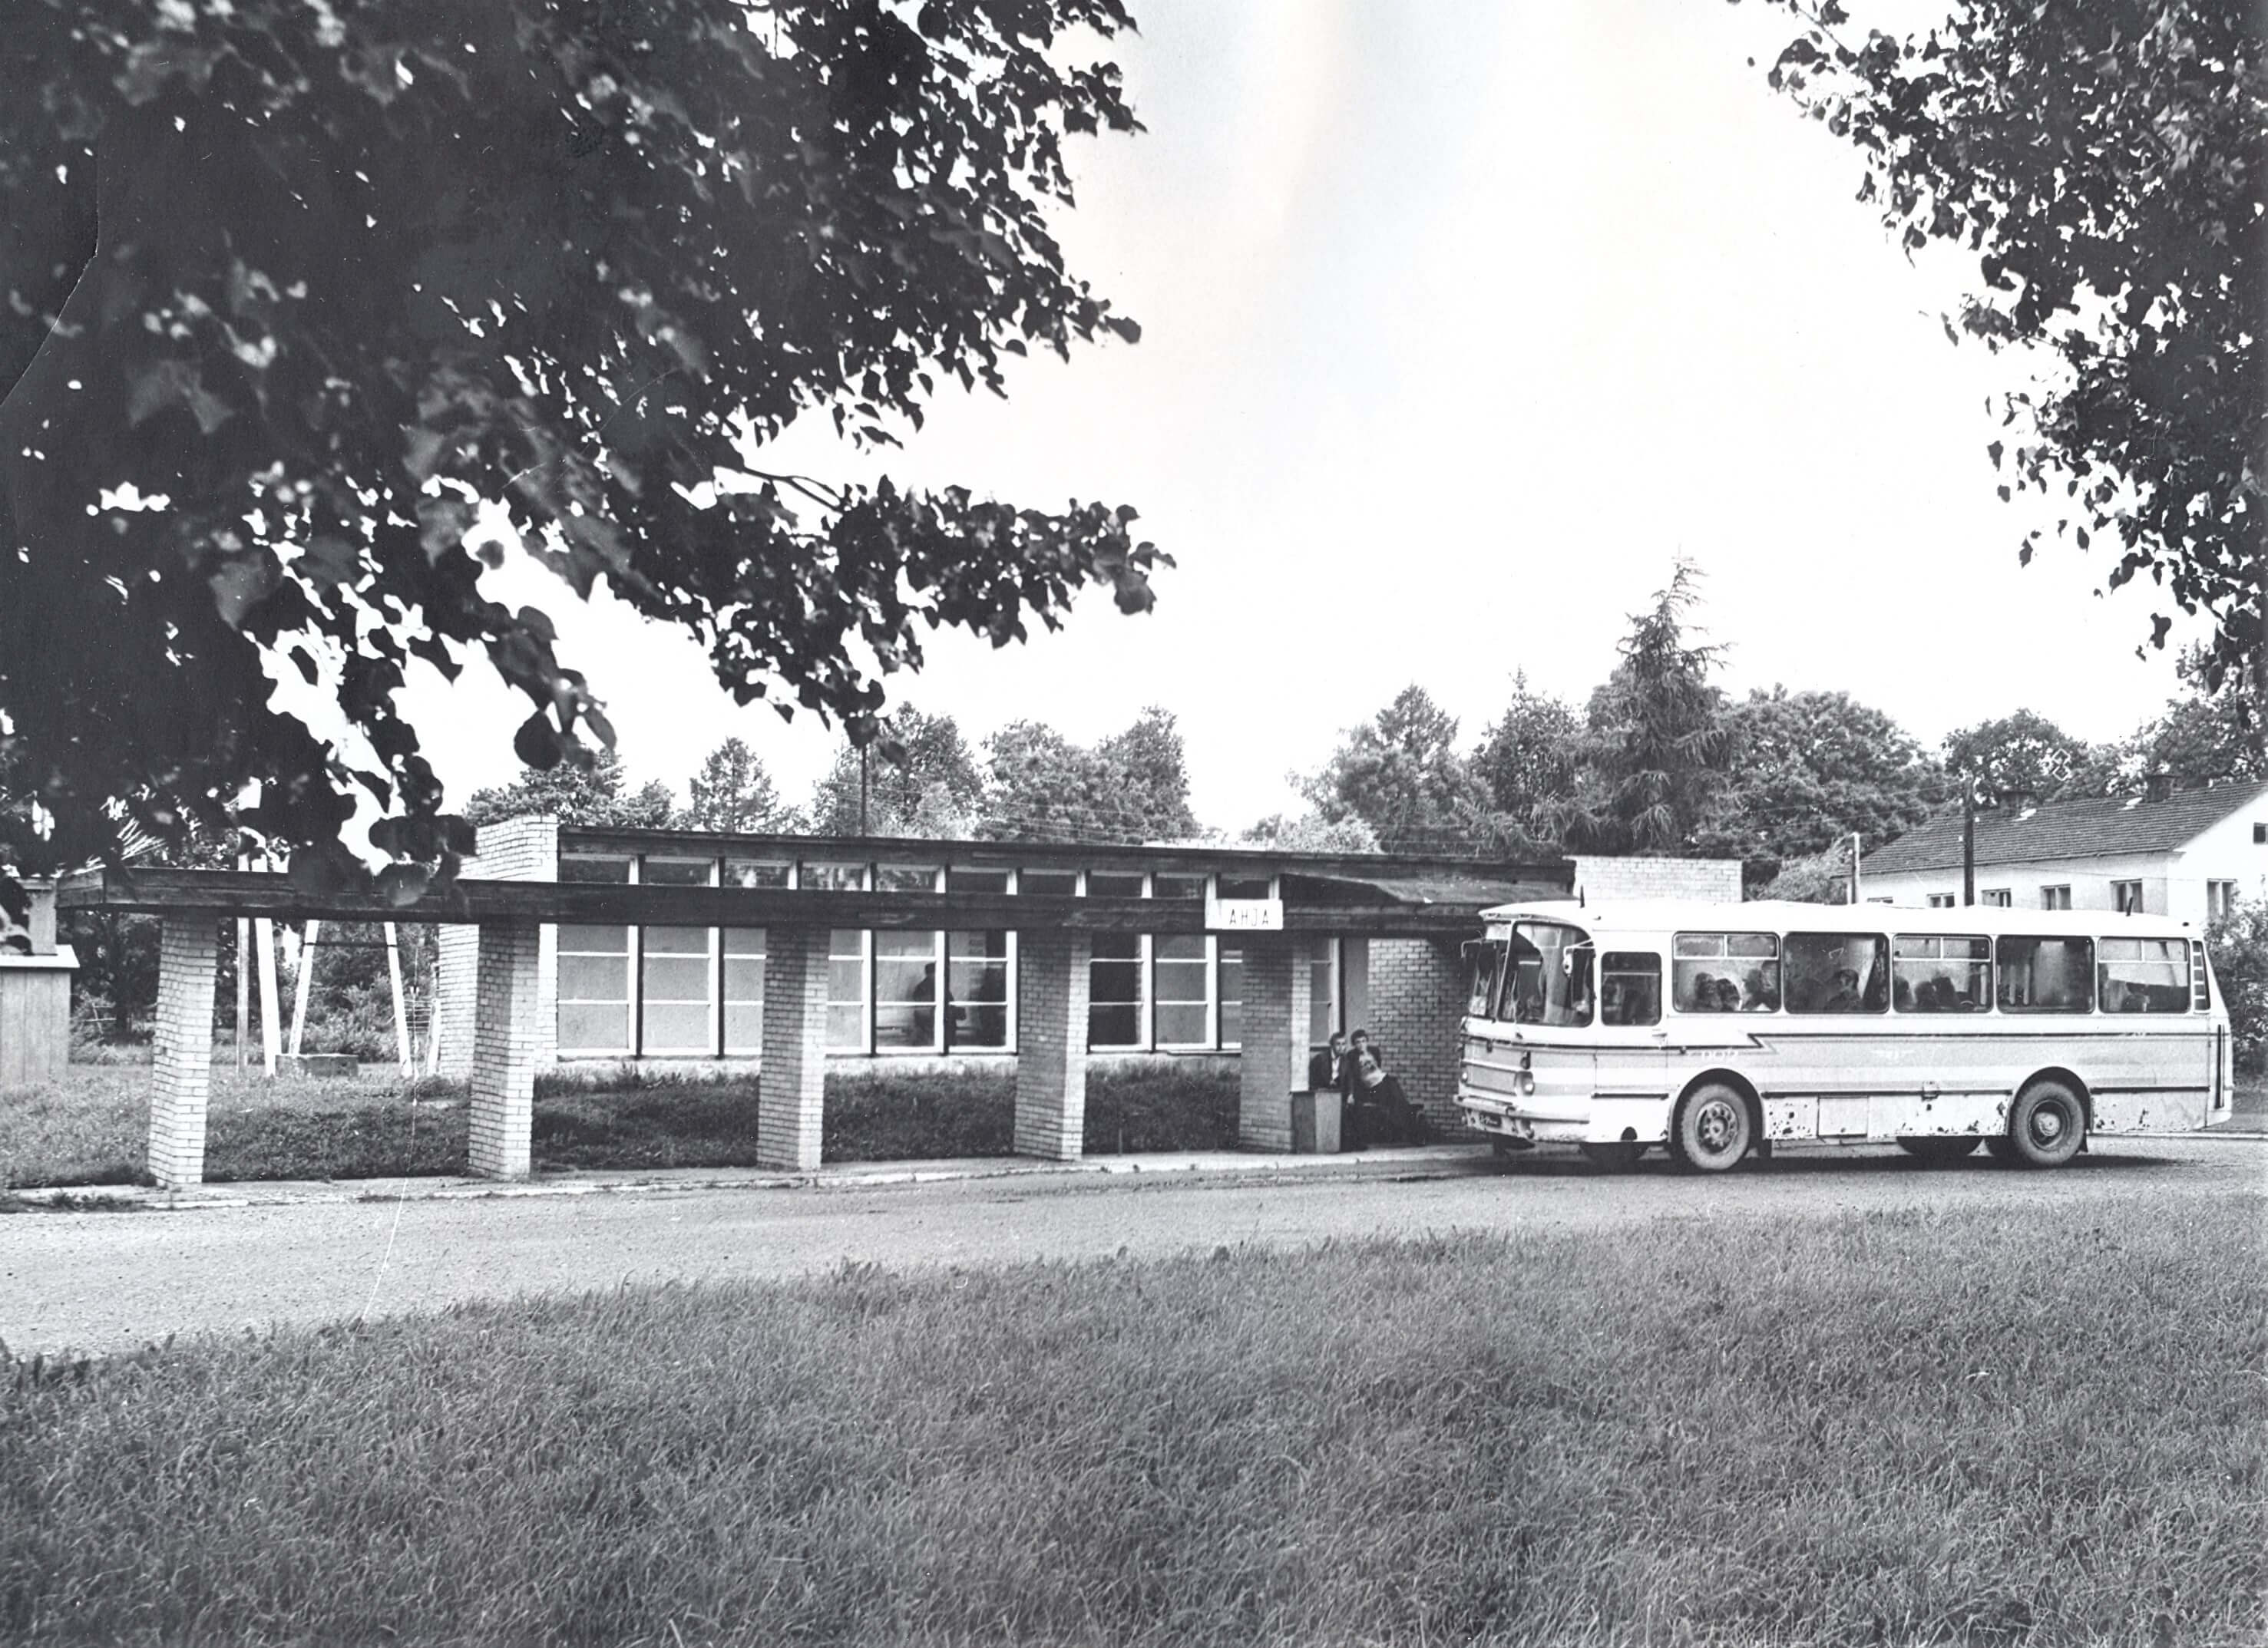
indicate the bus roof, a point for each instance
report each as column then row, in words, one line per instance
column 1689, row 914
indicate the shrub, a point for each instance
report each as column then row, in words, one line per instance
column 2239, row 942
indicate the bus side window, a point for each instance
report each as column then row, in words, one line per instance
column 2144, row 976
column 1725, row 971
column 1629, row 988
column 1933, row 973
column 2047, row 974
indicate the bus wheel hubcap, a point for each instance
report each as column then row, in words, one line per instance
column 1713, row 1126
column 2047, row 1125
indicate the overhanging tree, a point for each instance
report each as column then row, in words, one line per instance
column 323, row 278
column 2107, row 160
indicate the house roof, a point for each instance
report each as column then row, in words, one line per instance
column 2095, row 827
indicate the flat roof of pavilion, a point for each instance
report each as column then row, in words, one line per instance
column 1369, row 894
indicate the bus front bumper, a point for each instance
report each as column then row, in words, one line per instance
column 1499, row 1118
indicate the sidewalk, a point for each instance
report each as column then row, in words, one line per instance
column 1429, row 1160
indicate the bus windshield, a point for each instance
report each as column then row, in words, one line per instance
column 1547, row 974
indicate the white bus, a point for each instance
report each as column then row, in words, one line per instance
column 1716, row 1029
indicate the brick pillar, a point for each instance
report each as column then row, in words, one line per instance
column 792, row 1089
column 1051, row 993
column 507, row 1038
column 516, row 850
column 1278, row 984
column 1417, row 1003
column 188, row 948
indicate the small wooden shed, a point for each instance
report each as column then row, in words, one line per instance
column 35, row 975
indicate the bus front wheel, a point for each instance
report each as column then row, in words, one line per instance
column 1713, row 1129
column 1934, row 1149
column 2047, row 1125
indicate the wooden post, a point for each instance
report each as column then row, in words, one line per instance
column 401, row 1009
column 263, row 931
column 308, row 937
column 243, row 979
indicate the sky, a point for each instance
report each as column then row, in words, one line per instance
column 1462, row 319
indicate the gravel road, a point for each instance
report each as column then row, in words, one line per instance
column 97, row 1281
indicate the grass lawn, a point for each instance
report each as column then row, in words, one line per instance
column 1984, row 1428
column 91, row 1128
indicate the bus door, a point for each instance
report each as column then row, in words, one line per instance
column 1631, row 1081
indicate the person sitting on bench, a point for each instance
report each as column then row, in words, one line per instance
column 1378, row 1111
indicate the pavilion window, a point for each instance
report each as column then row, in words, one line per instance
column 1323, row 993
column 1180, row 965
column 1115, row 1004
column 757, row 872
column 906, row 990
column 1047, row 883
column 1113, row 884
column 832, row 878
column 846, row 991
column 1231, row 987
column 678, row 969
column 744, row 988
column 976, row 973
column 594, row 990
column 908, row 877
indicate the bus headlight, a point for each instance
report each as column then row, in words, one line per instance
column 1526, row 1085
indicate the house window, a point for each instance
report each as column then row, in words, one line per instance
column 1942, row 901
column 2220, row 900
column 744, row 990
column 2260, row 834
column 1997, row 897
column 2055, row 898
column 2126, row 897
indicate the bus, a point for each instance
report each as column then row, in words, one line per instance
column 1720, row 1030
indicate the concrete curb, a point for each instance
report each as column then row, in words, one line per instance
column 1431, row 1160
column 1178, row 1166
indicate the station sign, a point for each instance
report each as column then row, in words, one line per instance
column 1243, row 914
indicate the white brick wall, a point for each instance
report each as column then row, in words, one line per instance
column 1717, row 879
column 188, row 947
column 1051, row 1001
column 505, row 1041
column 1416, row 1002
column 791, row 1092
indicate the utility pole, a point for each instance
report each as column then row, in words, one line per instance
column 1854, row 866
column 863, row 784
column 1968, row 840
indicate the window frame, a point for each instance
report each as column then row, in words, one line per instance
column 2000, row 941
column 1778, row 958
column 1940, row 940
column 1842, row 938
column 2103, row 965
column 2118, row 891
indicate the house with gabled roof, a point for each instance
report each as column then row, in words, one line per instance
column 2186, row 853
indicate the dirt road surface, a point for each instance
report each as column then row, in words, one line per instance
column 105, row 1281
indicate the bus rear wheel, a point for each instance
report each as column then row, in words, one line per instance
column 2047, row 1125
column 1939, row 1148
column 1713, row 1129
